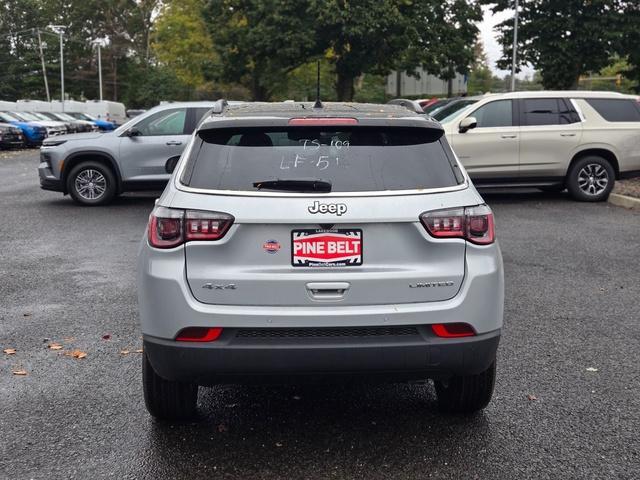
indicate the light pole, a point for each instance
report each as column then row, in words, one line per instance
column 60, row 31
column 515, row 47
column 44, row 68
column 98, row 43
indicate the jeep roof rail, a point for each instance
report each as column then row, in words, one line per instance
column 406, row 103
column 219, row 106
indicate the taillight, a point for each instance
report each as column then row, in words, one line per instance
column 474, row 224
column 199, row 334
column 169, row 227
column 453, row 330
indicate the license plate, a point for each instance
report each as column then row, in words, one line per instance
column 326, row 248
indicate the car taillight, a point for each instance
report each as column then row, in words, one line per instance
column 169, row 227
column 199, row 334
column 453, row 330
column 474, row 224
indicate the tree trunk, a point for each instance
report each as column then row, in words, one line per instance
column 344, row 87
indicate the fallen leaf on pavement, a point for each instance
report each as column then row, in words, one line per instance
column 278, row 444
column 55, row 346
column 10, row 351
column 138, row 351
column 20, row 373
column 26, row 314
column 76, row 354
column 106, row 336
column 592, row 369
column 222, row 428
column 532, row 397
column 124, row 352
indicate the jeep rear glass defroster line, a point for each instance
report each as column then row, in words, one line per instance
column 349, row 158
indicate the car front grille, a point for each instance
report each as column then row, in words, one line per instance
column 327, row 332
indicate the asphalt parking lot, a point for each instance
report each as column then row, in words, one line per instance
column 567, row 400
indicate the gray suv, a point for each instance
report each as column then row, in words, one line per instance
column 334, row 242
column 95, row 167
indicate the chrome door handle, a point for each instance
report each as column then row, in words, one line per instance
column 509, row 136
column 174, row 142
column 567, row 134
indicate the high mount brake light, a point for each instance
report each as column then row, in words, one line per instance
column 474, row 224
column 169, row 227
column 322, row 121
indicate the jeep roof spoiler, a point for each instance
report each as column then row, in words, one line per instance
column 408, row 104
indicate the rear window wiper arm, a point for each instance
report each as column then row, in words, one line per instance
column 299, row 185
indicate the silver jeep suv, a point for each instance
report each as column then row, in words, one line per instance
column 95, row 167
column 322, row 243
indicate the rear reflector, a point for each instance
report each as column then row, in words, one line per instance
column 199, row 334
column 453, row 330
column 322, row 121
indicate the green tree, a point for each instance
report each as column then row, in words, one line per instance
column 562, row 39
column 182, row 42
column 261, row 41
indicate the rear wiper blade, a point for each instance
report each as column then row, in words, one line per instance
column 299, row 185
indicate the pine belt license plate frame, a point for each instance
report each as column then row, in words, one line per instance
column 349, row 254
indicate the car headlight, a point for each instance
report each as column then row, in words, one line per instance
column 53, row 143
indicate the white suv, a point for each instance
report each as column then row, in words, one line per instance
column 579, row 140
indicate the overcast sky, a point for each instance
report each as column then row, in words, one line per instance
column 491, row 45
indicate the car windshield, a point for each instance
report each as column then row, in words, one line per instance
column 41, row 116
column 448, row 111
column 25, row 116
column 4, row 116
column 350, row 159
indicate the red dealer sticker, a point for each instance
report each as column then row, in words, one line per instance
column 326, row 248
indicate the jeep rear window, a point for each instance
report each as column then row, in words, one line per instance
column 351, row 159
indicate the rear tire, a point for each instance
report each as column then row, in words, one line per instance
column 166, row 399
column 466, row 394
column 91, row 183
column 591, row 179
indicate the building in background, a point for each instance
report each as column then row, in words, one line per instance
column 426, row 85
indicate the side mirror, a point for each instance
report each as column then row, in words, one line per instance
column 467, row 124
column 133, row 132
column 170, row 166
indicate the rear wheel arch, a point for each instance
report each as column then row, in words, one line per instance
column 608, row 155
column 100, row 157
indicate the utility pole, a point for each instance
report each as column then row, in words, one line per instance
column 59, row 29
column 44, row 68
column 515, row 47
column 98, row 43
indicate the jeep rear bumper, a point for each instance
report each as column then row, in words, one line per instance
column 273, row 355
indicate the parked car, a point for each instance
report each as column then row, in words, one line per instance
column 95, row 167
column 451, row 109
column 579, row 140
column 33, row 132
column 438, row 103
column 53, row 128
column 10, row 136
column 101, row 124
column 77, row 126
column 299, row 242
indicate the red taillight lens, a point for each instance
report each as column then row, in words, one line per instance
column 453, row 330
column 170, row 227
column 206, row 225
column 199, row 334
column 322, row 121
column 474, row 224
column 165, row 227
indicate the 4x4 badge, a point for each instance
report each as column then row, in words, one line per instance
column 337, row 208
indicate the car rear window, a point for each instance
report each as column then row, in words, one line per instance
column 613, row 110
column 351, row 159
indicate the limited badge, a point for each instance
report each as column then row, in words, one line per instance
column 271, row 246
